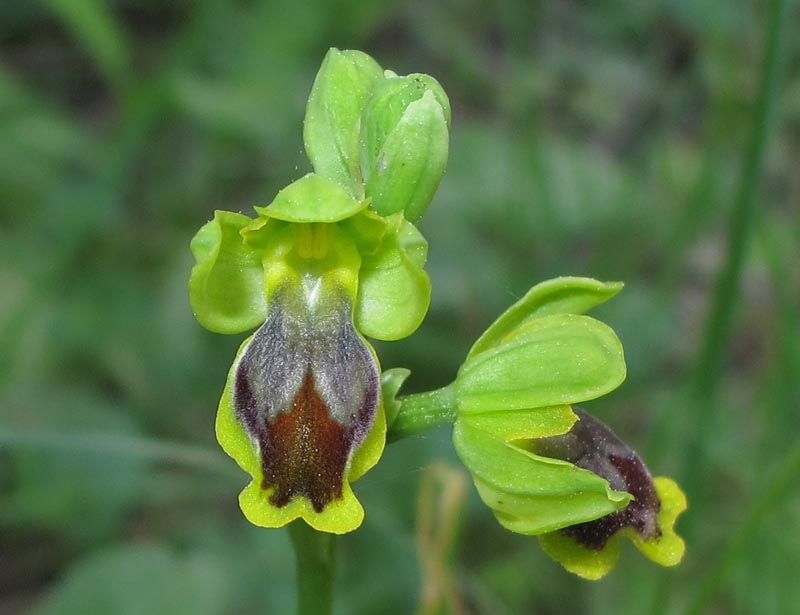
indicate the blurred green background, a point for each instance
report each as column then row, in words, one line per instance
column 627, row 140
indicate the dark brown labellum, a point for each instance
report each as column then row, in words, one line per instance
column 306, row 392
column 593, row 446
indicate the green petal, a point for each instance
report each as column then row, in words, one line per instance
column 549, row 361
column 394, row 291
column 558, row 296
column 226, row 287
column 407, row 171
column 333, row 115
column 524, row 424
column 367, row 229
column 312, row 198
column 530, row 494
column 391, row 381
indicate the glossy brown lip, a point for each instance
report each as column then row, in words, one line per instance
column 591, row 445
column 306, row 392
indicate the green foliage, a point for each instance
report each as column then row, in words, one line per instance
column 622, row 167
column 139, row 579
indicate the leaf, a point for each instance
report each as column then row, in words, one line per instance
column 145, row 579
column 94, row 26
column 85, row 493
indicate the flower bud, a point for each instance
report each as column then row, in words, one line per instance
column 404, row 144
column 333, row 116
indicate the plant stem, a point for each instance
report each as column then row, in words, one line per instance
column 316, row 566
column 122, row 446
column 742, row 224
column 771, row 497
column 422, row 411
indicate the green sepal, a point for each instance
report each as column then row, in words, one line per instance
column 408, row 167
column 530, row 494
column 391, row 381
column 566, row 295
column 226, row 289
column 667, row 549
column 549, row 361
column 333, row 116
column 394, row 291
column 312, row 198
column 526, row 424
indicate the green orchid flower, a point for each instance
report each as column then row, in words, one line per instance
column 317, row 272
column 335, row 259
column 301, row 410
column 542, row 466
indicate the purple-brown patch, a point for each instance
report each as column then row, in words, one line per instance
column 593, row 446
column 306, row 391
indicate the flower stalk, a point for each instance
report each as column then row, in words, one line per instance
column 422, row 411
column 315, row 554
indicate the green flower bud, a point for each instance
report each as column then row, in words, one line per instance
column 404, row 144
column 333, row 116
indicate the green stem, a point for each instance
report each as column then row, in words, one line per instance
column 316, row 566
column 742, row 219
column 421, row 411
column 119, row 445
column 774, row 494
